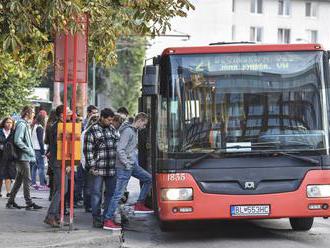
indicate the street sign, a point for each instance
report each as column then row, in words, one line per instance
column 82, row 57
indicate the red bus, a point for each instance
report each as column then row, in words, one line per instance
column 239, row 132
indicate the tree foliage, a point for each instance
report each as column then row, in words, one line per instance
column 27, row 28
column 123, row 81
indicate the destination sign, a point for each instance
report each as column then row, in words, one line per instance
column 272, row 62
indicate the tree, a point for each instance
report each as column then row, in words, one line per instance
column 125, row 76
column 27, row 28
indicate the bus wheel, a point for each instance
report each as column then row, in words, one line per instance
column 301, row 224
column 166, row 226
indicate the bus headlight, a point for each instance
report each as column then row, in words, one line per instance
column 177, row 194
column 315, row 191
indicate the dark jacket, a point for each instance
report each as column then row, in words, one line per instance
column 51, row 141
column 7, row 166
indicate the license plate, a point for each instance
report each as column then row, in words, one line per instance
column 250, row 210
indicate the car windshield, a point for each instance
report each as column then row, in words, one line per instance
column 242, row 102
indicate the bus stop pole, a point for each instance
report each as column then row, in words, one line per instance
column 64, row 129
column 74, row 93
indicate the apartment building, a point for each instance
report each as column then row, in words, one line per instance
column 263, row 21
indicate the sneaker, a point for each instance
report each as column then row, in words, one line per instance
column 140, row 208
column 97, row 223
column 12, row 205
column 42, row 188
column 8, row 195
column 33, row 206
column 35, row 186
column 52, row 222
column 111, row 225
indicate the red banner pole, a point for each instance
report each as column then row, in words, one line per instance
column 64, row 128
column 74, row 94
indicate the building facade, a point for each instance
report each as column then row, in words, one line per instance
column 262, row 21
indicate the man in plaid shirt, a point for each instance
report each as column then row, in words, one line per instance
column 100, row 144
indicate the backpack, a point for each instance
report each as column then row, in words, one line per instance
column 10, row 150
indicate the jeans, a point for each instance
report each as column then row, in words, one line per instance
column 40, row 166
column 79, row 184
column 87, row 189
column 54, row 207
column 22, row 176
column 123, row 177
column 97, row 191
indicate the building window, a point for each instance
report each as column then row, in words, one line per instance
column 256, row 6
column 283, row 35
column 233, row 6
column 256, row 34
column 312, row 36
column 310, row 9
column 284, row 7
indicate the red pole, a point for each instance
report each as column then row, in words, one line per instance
column 74, row 94
column 64, row 128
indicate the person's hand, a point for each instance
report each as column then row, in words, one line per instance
column 68, row 169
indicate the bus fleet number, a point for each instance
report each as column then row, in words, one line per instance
column 176, row 177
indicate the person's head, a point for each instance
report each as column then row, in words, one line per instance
column 7, row 123
column 52, row 117
column 106, row 117
column 141, row 121
column 123, row 112
column 92, row 110
column 117, row 121
column 27, row 113
column 40, row 119
column 59, row 113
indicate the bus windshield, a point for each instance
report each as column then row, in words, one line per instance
column 245, row 102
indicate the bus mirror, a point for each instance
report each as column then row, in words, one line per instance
column 150, row 80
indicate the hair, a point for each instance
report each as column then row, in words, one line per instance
column 90, row 108
column 59, row 110
column 141, row 116
column 41, row 119
column 118, row 118
column 3, row 122
column 107, row 112
column 26, row 111
column 123, row 110
column 52, row 118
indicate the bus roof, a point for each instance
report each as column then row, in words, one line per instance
column 242, row 48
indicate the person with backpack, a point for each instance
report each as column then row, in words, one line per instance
column 7, row 167
column 23, row 144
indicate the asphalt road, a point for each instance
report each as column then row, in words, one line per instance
column 21, row 228
column 143, row 232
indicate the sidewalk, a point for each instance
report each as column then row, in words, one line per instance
column 22, row 228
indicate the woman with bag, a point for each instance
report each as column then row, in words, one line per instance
column 7, row 167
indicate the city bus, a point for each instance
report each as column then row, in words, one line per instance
column 238, row 131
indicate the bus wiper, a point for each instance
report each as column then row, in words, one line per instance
column 255, row 145
column 196, row 160
column 301, row 158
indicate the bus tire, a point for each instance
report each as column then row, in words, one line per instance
column 301, row 224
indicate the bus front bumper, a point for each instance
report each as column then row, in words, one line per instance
column 215, row 206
